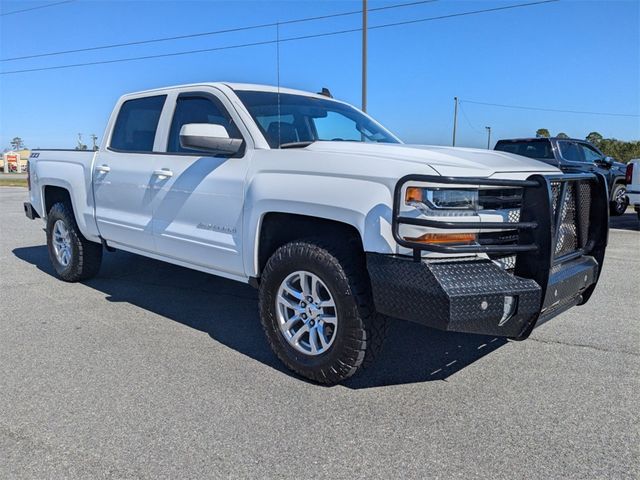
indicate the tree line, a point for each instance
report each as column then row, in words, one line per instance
column 18, row 144
column 619, row 149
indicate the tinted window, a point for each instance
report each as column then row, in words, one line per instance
column 135, row 128
column 534, row 148
column 590, row 153
column 571, row 151
column 198, row 110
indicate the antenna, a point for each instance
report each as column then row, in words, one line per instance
column 278, row 77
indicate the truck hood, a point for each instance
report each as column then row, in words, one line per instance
column 446, row 161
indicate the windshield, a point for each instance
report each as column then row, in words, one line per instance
column 297, row 118
column 533, row 148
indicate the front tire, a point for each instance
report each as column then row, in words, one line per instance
column 317, row 311
column 73, row 257
column 619, row 200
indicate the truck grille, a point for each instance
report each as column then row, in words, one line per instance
column 557, row 218
column 500, row 198
column 571, row 224
column 572, row 228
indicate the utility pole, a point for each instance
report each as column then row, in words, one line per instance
column 364, row 55
column 455, row 120
column 488, row 137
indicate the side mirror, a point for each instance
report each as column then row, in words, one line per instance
column 208, row 137
column 606, row 162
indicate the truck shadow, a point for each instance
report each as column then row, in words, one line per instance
column 227, row 312
column 628, row 221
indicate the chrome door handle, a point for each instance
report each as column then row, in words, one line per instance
column 164, row 172
column 103, row 168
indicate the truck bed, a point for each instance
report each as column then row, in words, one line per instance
column 70, row 170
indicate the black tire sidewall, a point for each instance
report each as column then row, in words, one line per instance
column 346, row 346
column 60, row 211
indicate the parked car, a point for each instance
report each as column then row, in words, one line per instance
column 633, row 184
column 573, row 155
column 326, row 212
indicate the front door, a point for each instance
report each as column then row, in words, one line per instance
column 123, row 176
column 198, row 214
column 594, row 158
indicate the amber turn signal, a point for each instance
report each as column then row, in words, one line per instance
column 460, row 238
column 413, row 194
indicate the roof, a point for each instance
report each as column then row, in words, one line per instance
column 234, row 86
column 525, row 139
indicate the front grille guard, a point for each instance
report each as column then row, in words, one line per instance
column 539, row 227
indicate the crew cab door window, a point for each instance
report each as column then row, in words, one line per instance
column 136, row 125
column 571, row 151
column 195, row 109
column 591, row 155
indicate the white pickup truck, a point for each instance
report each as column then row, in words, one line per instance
column 336, row 221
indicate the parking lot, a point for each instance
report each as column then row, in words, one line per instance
column 153, row 371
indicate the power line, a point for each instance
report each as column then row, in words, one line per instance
column 462, row 14
column 541, row 109
column 36, row 8
column 268, row 42
column 214, row 32
column 464, row 114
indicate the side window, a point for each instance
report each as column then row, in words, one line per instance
column 135, row 127
column 571, row 151
column 590, row 154
column 198, row 110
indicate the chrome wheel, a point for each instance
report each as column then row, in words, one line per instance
column 621, row 199
column 306, row 313
column 61, row 243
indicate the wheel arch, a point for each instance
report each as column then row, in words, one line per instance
column 52, row 194
column 279, row 228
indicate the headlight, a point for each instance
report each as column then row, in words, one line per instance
column 442, row 198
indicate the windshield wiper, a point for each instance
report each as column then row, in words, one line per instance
column 297, row 144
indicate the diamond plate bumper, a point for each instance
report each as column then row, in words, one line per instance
column 469, row 296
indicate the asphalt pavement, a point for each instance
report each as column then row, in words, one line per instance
column 155, row 371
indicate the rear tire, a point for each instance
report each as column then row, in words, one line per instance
column 619, row 200
column 73, row 257
column 356, row 335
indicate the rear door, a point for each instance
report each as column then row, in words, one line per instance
column 123, row 175
column 197, row 216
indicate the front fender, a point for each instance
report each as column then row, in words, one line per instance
column 363, row 204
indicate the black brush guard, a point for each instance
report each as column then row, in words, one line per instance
column 562, row 236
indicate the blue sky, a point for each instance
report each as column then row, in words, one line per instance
column 568, row 55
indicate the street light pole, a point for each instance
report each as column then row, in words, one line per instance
column 455, row 119
column 488, row 137
column 364, row 55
